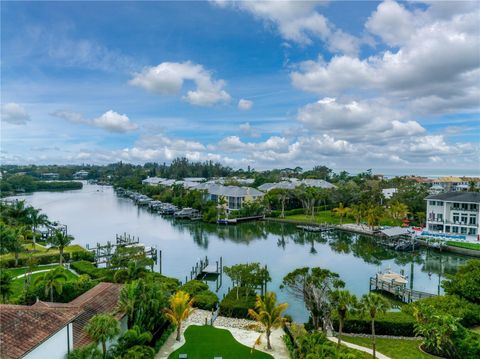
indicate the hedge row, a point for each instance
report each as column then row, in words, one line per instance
column 230, row 306
column 203, row 297
column 390, row 323
column 48, row 257
column 102, row 274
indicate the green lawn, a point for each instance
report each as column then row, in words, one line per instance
column 394, row 348
column 17, row 284
column 205, row 342
column 474, row 246
column 331, row 218
column 41, row 251
column 14, row 272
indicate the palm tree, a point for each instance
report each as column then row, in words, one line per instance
column 6, row 289
column 358, row 212
column 398, row 210
column 371, row 305
column 344, row 302
column 60, row 240
column 374, row 215
column 341, row 211
column 180, row 309
column 90, row 351
column 53, row 281
column 18, row 212
column 127, row 301
column 35, row 219
column 102, row 327
column 268, row 313
column 16, row 245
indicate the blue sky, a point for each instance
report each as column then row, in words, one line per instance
column 353, row 85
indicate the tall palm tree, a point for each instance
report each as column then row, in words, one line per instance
column 6, row 289
column 268, row 313
column 358, row 212
column 103, row 327
column 341, row 211
column 35, row 219
column 16, row 245
column 371, row 305
column 60, row 240
column 344, row 302
column 53, row 281
column 180, row 309
column 18, row 212
column 127, row 301
column 398, row 210
column 374, row 215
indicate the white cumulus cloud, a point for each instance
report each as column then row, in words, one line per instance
column 168, row 78
column 245, row 105
column 15, row 114
column 110, row 121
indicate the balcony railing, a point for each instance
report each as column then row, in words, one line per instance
column 452, row 208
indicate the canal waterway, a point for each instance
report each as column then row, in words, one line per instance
column 95, row 214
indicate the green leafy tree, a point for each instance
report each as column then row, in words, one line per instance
column 373, row 215
column 437, row 329
column 180, row 309
column 341, row 211
column 250, row 276
column 133, row 339
column 6, row 289
column 268, row 314
column 314, row 287
column 52, row 281
column 371, row 305
column 398, row 210
column 466, row 282
column 344, row 303
column 101, row 328
column 60, row 240
column 90, row 351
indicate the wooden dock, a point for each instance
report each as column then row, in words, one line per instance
column 403, row 293
column 206, row 271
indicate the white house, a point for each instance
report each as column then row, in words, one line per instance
column 153, row 180
column 234, row 196
column 36, row 332
column 454, row 213
column 80, row 174
column 389, row 192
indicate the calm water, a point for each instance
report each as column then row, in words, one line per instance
column 95, row 214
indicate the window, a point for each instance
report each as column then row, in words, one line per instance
column 456, row 218
column 431, row 203
column 472, row 231
column 447, row 228
column 463, row 230
column 473, row 220
column 439, row 217
column 456, row 206
column 465, row 206
column 455, row 229
column 464, row 219
column 473, row 207
column 439, row 203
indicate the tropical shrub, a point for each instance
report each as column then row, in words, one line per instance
column 85, row 267
column 230, row 306
column 466, row 282
column 203, row 297
column 76, row 253
column 70, row 291
column 390, row 323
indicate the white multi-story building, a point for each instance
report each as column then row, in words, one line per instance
column 454, row 213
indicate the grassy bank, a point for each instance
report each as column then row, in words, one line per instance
column 394, row 348
column 473, row 246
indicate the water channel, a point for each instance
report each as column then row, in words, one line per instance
column 95, row 214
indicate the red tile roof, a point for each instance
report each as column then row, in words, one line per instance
column 100, row 299
column 22, row 328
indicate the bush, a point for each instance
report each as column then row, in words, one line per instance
column 466, row 282
column 170, row 284
column 469, row 313
column 74, row 253
column 203, row 297
column 70, row 291
column 467, row 344
column 230, row 306
column 390, row 323
column 102, row 274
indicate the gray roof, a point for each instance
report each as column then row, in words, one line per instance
column 471, row 197
column 234, row 191
column 283, row 185
column 317, row 183
column 394, row 231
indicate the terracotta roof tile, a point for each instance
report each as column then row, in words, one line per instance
column 17, row 336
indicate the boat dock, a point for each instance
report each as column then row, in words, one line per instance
column 399, row 290
column 206, row 271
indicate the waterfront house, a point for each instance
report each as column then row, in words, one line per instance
column 389, row 192
column 233, row 196
column 455, row 213
column 80, row 174
column 153, row 181
column 52, row 330
column 34, row 332
column 50, row 176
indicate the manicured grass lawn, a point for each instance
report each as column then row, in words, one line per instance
column 17, row 284
column 14, row 272
column 394, row 348
column 204, row 342
column 331, row 218
column 474, row 246
column 320, row 217
column 41, row 251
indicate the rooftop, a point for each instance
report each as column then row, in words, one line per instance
column 471, row 197
column 24, row 327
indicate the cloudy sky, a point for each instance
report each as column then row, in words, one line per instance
column 392, row 86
